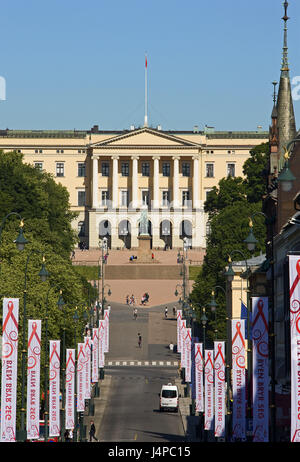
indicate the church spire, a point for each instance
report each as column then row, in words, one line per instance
column 285, row 62
column 285, row 109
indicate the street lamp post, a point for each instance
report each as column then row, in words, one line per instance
column 251, row 246
column 203, row 322
column 46, row 367
column 103, row 246
column 43, row 275
column 213, row 305
column 230, row 274
column 61, row 305
column 20, row 241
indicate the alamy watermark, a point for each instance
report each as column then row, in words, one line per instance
column 296, row 90
column 2, row 88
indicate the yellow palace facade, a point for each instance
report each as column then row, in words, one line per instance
column 112, row 176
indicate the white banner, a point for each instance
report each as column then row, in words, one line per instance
column 87, row 367
column 54, row 388
column 33, row 379
column 260, row 346
column 294, row 285
column 9, row 368
column 188, row 356
column 183, row 350
column 219, row 363
column 101, row 343
column 80, row 377
column 209, row 390
column 95, row 355
column 179, row 319
column 106, row 318
column 199, row 377
column 70, row 389
column 238, row 379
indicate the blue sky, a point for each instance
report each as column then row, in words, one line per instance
column 72, row 64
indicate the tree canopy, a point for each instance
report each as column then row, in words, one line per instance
column 229, row 207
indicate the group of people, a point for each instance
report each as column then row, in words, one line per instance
column 145, row 298
column 68, row 435
column 131, row 300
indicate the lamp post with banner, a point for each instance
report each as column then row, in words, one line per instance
column 43, row 274
column 251, row 242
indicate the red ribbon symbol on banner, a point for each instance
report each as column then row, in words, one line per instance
column 81, row 351
column 198, row 352
column 220, row 353
column 297, row 278
column 34, row 334
column 54, row 352
column 260, row 306
column 209, row 360
column 10, row 314
column 238, row 333
column 70, row 359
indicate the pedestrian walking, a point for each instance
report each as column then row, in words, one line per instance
column 174, row 311
column 166, row 312
column 135, row 314
column 67, row 436
column 139, row 340
column 92, row 431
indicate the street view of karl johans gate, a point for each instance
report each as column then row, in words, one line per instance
column 150, row 279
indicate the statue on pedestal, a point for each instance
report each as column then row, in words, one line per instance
column 144, row 223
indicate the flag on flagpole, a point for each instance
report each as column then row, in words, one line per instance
column 244, row 315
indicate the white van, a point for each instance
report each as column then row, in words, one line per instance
column 169, row 397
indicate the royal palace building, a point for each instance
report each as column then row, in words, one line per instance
column 112, row 175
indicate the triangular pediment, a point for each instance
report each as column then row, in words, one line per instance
column 145, row 137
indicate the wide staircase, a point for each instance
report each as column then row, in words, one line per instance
column 159, row 278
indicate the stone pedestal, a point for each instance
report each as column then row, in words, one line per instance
column 144, row 252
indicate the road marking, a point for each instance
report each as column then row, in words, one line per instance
column 142, row 363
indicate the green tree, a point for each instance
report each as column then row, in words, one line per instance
column 255, row 171
column 229, row 207
column 42, row 202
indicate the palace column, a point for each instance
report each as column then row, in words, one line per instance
column 134, row 181
column 196, row 182
column 95, row 182
column 156, row 182
column 176, row 181
column 115, row 183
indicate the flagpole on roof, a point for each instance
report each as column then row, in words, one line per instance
column 146, row 94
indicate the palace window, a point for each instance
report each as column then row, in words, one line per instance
column 105, row 169
column 166, row 169
column 185, row 198
column 124, row 198
column 104, row 197
column 38, row 165
column 81, row 169
column 185, row 169
column 60, row 169
column 209, row 170
column 145, row 197
column 165, row 198
column 81, row 228
column 231, row 170
column 81, row 198
column 125, row 169
column 145, row 169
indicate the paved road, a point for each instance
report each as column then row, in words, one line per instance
column 131, row 412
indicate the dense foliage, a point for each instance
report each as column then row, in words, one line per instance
column 229, row 207
column 44, row 205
